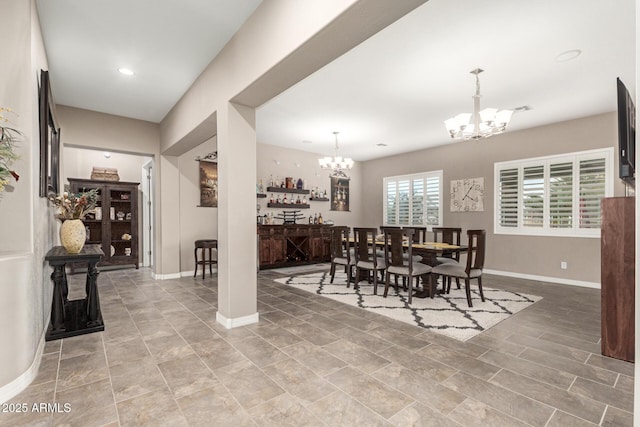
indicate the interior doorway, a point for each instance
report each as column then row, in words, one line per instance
column 147, row 214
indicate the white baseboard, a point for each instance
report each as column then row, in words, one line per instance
column 571, row 282
column 16, row 386
column 238, row 321
column 165, row 276
column 190, row 273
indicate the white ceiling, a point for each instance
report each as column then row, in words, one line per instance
column 396, row 88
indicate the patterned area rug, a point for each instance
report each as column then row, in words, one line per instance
column 445, row 314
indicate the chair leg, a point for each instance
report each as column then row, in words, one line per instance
column 458, row 282
column 195, row 254
column 386, row 284
column 410, row 280
column 404, row 283
column 356, row 278
column 432, row 286
column 467, row 288
column 210, row 262
column 375, row 282
column 480, row 287
column 204, row 263
column 333, row 272
column 449, row 284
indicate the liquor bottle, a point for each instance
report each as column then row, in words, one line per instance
column 299, row 184
column 271, row 199
column 315, row 218
column 313, row 194
column 310, row 219
column 304, row 200
column 324, row 195
column 279, row 200
column 320, row 218
column 284, row 201
column 298, row 200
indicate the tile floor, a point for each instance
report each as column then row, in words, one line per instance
column 163, row 360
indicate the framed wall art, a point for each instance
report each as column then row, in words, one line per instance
column 340, row 194
column 49, row 139
column 208, row 183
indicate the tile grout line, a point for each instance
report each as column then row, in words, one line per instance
column 604, row 413
column 113, row 393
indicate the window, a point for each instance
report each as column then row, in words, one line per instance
column 555, row 195
column 413, row 200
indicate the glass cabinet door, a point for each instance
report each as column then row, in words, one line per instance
column 120, row 216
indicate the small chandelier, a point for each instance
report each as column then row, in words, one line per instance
column 336, row 164
column 479, row 124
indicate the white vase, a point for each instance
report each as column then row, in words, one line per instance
column 73, row 235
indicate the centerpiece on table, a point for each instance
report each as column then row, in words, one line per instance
column 72, row 209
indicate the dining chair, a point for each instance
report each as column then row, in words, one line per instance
column 366, row 256
column 402, row 263
column 419, row 235
column 474, row 265
column 341, row 254
column 450, row 235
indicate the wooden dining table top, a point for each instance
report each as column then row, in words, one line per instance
column 426, row 246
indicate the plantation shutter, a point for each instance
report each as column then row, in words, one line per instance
column 433, row 200
column 591, row 192
column 533, row 196
column 391, row 205
column 403, row 202
column 561, row 195
column 417, row 201
column 508, row 198
column 413, row 200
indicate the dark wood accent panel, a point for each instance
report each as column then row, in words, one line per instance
column 107, row 232
column 618, row 277
column 294, row 244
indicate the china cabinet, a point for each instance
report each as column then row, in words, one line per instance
column 114, row 226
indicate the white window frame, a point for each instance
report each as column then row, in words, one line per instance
column 411, row 177
column 546, row 161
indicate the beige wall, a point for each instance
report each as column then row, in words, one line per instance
column 78, row 163
column 195, row 222
column 283, row 162
column 27, row 226
column 529, row 255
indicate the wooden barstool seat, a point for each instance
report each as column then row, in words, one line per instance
column 203, row 245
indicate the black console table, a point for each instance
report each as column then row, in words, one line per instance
column 83, row 316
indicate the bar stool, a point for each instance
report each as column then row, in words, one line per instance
column 203, row 245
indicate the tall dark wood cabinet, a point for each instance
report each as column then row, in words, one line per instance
column 115, row 225
column 618, row 277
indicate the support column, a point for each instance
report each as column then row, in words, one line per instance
column 167, row 257
column 237, row 281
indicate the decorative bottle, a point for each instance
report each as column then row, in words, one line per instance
column 320, row 218
column 285, row 201
column 299, row 184
column 315, row 218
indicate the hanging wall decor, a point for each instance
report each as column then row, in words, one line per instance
column 340, row 194
column 208, row 184
column 467, row 195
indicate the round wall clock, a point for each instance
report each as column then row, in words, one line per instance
column 467, row 195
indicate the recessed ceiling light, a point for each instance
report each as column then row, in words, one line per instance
column 381, row 144
column 126, row 71
column 306, row 141
column 107, row 154
column 568, row 55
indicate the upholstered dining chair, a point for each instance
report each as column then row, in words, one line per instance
column 341, row 254
column 450, row 235
column 366, row 256
column 401, row 263
column 474, row 265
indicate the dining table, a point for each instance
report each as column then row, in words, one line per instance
column 429, row 251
